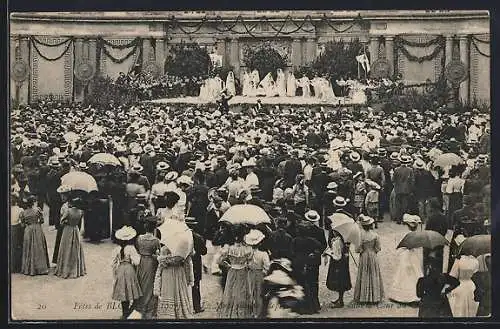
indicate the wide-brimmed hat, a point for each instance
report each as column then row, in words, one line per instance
column 136, row 150
column 365, row 220
column 312, row 216
column 83, row 165
column 405, row 159
column 186, row 180
column 248, row 163
column 136, row 169
column 254, row 237
column 162, row 166
column 171, row 176
column 340, row 201
column 126, row 233
column 382, row 152
column 419, row 164
column 279, row 277
column 411, row 220
column 54, row 162
column 148, row 148
column 332, row 186
column 394, row 156
column 354, row 156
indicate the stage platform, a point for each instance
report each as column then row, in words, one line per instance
column 240, row 100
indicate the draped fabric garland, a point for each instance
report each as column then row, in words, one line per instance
column 123, row 54
column 401, row 43
column 480, row 58
column 302, row 25
column 475, row 41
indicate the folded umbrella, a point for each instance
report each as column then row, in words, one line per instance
column 347, row 228
column 79, row 180
column 476, row 245
column 422, row 239
column 245, row 214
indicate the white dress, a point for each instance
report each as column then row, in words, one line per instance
column 461, row 298
column 409, row 269
column 291, row 85
column 281, row 83
column 305, row 84
column 246, row 84
column 231, row 88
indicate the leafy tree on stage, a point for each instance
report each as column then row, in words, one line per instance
column 264, row 60
column 188, row 60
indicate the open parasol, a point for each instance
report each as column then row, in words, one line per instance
column 476, row 245
column 79, row 180
column 422, row 239
column 347, row 227
column 245, row 214
column 105, row 159
column 447, row 160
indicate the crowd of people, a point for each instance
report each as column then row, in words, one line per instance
column 169, row 175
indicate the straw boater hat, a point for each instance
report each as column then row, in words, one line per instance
column 365, row 220
column 394, row 156
column 340, row 201
column 419, row 164
column 162, row 166
column 254, row 237
column 171, row 176
column 126, row 233
column 83, row 166
column 354, row 156
column 312, row 216
column 54, row 162
column 332, row 186
column 405, row 159
column 186, row 180
column 411, row 220
column 137, row 169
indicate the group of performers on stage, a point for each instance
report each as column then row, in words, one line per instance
column 284, row 86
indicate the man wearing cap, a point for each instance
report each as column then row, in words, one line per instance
column 200, row 249
column 146, row 161
column 404, row 186
column 425, row 186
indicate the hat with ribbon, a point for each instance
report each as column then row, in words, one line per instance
column 126, row 233
column 411, row 220
column 312, row 216
column 340, row 201
column 365, row 220
column 254, row 237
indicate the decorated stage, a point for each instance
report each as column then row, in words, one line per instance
column 240, row 100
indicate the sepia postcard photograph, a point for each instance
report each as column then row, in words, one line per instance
column 249, row 164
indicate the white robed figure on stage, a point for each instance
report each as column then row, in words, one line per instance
column 327, row 90
column 281, row 83
column 216, row 87
column 255, row 80
column 291, row 85
column 305, row 84
column 267, row 86
column 230, row 85
column 246, row 84
column 317, row 85
column 204, row 90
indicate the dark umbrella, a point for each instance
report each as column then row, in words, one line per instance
column 476, row 245
column 426, row 239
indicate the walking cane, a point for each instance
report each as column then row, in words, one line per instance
column 354, row 260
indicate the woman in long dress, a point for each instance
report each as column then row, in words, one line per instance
column 409, row 268
column 281, row 83
column 454, row 191
column 175, row 276
column 369, row 287
column 148, row 246
column 338, row 278
column 291, row 85
column 235, row 301
column 305, row 84
column 16, row 236
column 70, row 259
column 125, row 258
column 246, row 84
column 461, row 299
column 230, row 86
column 35, row 258
column 257, row 267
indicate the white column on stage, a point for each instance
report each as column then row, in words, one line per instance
column 464, row 57
column 449, row 49
column 296, row 53
column 235, row 55
column 374, row 46
column 389, row 53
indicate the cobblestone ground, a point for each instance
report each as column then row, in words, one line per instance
column 51, row 298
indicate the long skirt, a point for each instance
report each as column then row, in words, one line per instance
column 35, row 256
column 392, row 206
column 434, row 308
column 148, row 303
column 70, row 259
column 255, row 281
column 16, row 248
column 461, row 300
column 369, row 287
column 409, row 270
column 175, row 301
column 338, row 278
column 235, row 301
column 55, row 254
column 126, row 286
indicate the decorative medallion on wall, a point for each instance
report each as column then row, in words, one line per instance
column 380, row 68
column 456, row 72
column 84, row 71
column 20, row 71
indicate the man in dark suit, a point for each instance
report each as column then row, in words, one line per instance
column 200, row 249
column 293, row 167
column 404, row 184
column 280, row 240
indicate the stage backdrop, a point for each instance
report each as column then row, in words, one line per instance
column 118, row 55
column 480, row 68
column 416, row 60
column 51, row 68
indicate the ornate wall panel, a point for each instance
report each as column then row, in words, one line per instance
column 112, row 69
column 52, row 78
column 415, row 72
column 23, row 56
column 480, row 68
